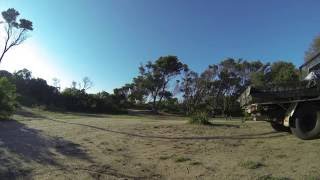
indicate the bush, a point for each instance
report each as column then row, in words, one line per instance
column 200, row 118
column 7, row 98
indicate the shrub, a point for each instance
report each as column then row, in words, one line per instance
column 7, row 98
column 200, row 118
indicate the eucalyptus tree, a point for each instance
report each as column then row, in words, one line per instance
column 155, row 77
column 15, row 32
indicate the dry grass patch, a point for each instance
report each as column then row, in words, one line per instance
column 182, row 159
column 251, row 164
column 270, row 177
column 87, row 146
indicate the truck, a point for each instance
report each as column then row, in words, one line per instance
column 289, row 107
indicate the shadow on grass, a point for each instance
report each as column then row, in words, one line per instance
column 20, row 145
column 29, row 114
column 224, row 125
column 212, row 124
column 236, row 137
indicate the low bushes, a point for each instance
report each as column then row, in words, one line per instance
column 7, row 98
column 200, row 118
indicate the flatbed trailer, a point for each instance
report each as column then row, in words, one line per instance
column 293, row 107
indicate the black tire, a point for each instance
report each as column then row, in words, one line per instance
column 279, row 127
column 306, row 122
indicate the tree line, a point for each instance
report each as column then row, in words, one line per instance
column 163, row 85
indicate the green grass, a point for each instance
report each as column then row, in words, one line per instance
column 309, row 177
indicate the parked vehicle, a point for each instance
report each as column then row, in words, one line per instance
column 292, row 107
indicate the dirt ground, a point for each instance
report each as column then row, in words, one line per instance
column 46, row 145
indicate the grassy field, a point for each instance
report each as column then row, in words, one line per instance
column 47, row 145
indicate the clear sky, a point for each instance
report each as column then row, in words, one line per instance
column 106, row 40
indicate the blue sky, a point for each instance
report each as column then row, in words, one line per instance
column 106, row 40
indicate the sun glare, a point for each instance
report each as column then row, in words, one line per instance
column 30, row 56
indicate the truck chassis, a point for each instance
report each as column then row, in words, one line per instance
column 292, row 107
column 301, row 116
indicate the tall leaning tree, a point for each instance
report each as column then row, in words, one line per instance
column 15, row 31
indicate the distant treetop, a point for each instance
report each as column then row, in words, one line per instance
column 313, row 49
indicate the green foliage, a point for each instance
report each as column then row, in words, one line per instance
column 200, row 118
column 279, row 72
column 11, row 15
column 258, row 78
column 216, row 89
column 311, row 177
column 212, row 92
column 154, row 78
column 78, row 100
column 7, row 98
column 171, row 105
column 284, row 72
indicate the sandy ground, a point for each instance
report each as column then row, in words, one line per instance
column 46, row 145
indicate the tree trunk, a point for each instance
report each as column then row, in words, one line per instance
column 154, row 105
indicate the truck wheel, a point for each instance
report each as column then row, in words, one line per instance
column 306, row 124
column 279, row 127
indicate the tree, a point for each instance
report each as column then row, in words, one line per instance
column 277, row 73
column 313, row 49
column 155, row 77
column 197, row 89
column 23, row 74
column 215, row 90
column 86, row 84
column 15, row 32
column 284, row 72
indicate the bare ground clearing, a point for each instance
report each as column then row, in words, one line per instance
column 46, row 145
